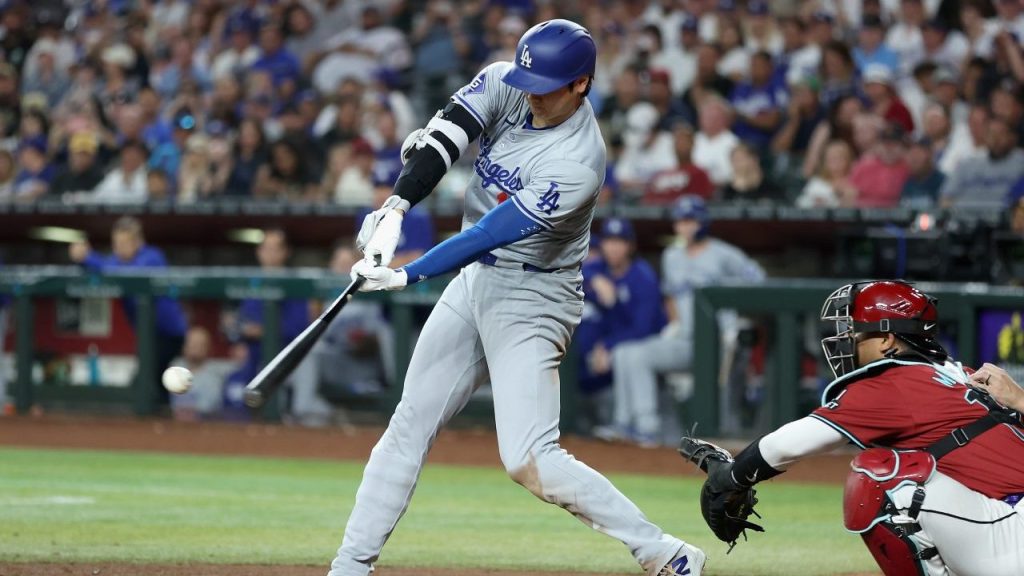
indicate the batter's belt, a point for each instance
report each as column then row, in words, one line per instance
column 489, row 259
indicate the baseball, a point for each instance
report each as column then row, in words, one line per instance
column 177, row 379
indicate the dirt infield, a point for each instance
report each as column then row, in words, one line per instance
column 467, row 447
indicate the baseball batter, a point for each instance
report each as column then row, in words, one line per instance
column 937, row 489
column 509, row 314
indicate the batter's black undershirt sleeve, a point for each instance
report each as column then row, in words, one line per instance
column 421, row 173
column 750, row 466
column 425, row 167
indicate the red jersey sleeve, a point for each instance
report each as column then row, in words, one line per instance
column 867, row 412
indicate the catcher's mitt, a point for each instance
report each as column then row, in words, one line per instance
column 724, row 504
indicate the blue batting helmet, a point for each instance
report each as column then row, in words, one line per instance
column 692, row 207
column 550, row 56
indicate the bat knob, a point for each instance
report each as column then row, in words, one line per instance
column 254, row 398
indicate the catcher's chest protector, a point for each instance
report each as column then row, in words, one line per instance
column 869, row 511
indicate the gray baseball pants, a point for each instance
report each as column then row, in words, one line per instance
column 512, row 327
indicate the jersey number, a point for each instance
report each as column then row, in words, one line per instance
column 548, row 203
column 974, row 396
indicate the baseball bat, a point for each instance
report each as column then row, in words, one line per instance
column 277, row 370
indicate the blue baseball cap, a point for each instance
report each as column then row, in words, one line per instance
column 238, row 23
column 690, row 24
column 618, row 228
column 307, row 95
column 690, row 207
column 216, row 128
column 757, row 8
column 822, row 16
column 37, row 143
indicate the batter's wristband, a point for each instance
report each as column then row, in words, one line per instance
column 750, row 466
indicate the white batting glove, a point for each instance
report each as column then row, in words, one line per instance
column 378, row 277
column 378, row 236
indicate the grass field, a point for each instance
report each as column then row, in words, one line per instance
column 62, row 505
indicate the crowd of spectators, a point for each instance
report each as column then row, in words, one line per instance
column 824, row 103
column 859, row 103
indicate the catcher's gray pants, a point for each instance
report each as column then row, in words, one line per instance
column 635, row 369
column 975, row 535
column 513, row 327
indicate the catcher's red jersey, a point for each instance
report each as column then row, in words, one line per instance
column 912, row 405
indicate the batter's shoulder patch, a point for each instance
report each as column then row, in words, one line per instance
column 477, row 86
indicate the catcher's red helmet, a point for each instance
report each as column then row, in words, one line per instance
column 883, row 306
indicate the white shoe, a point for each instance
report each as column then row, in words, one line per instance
column 689, row 562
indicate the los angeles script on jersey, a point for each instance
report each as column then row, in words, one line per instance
column 493, row 173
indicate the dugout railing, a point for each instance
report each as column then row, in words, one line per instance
column 26, row 285
column 781, row 307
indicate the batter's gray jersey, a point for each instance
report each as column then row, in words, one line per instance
column 552, row 174
column 510, row 325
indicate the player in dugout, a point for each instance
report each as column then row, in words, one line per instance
column 938, row 486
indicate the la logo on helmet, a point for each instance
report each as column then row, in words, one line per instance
column 525, row 59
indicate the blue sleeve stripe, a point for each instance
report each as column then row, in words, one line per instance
column 466, row 105
column 529, row 214
column 499, row 227
column 839, row 429
column 451, row 254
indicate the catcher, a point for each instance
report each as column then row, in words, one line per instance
column 936, row 490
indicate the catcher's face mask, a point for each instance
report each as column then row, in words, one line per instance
column 887, row 307
column 841, row 349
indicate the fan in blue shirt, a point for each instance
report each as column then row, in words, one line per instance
column 871, row 47
column 129, row 250
column 759, row 103
column 275, row 59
